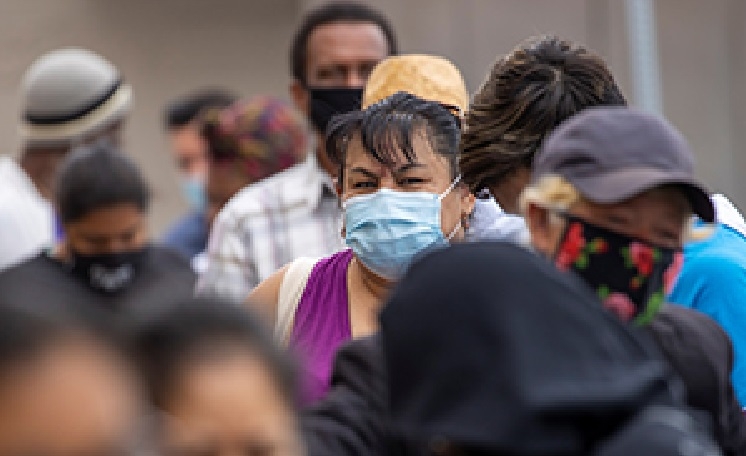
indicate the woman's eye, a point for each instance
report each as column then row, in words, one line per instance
column 412, row 181
column 364, row 185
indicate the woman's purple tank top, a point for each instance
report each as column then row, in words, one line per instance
column 322, row 323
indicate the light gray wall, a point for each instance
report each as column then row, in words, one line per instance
column 168, row 47
column 164, row 48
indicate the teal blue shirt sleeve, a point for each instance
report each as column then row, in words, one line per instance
column 713, row 281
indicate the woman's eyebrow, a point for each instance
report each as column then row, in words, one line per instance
column 364, row 171
column 404, row 168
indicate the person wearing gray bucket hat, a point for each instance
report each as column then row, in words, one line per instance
column 69, row 97
column 611, row 197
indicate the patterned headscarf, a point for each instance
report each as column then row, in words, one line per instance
column 263, row 135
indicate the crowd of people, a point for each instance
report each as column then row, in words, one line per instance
column 388, row 265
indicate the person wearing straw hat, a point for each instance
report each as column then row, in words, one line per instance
column 69, row 97
column 407, row 188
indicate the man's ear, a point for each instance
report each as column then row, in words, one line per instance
column 301, row 97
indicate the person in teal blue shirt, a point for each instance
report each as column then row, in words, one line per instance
column 713, row 281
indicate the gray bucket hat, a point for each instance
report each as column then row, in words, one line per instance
column 69, row 94
column 611, row 154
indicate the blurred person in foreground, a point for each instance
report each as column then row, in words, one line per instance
column 106, row 259
column 529, row 92
column 400, row 188
column 296, row 213
column 491, row 351
column 248, row 141
column 220, row 384
column 66, row 387
column 611, row 196
column 188, row 148
column 69, row 97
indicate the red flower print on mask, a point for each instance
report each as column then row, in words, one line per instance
column 643, row 257
column 673, row 271
column 571, row 247
column 621, row 305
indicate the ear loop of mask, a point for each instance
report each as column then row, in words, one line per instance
column 442, row 196
column 450, row 188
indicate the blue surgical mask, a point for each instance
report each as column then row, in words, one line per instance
column 193, row 190
column 388, row 228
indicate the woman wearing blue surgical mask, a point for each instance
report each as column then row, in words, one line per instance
column 400, row 188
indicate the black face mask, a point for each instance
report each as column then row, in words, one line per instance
column 108, row 273
column 629, row 275
column 328, row 102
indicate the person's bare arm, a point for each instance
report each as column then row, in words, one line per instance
column 265, row 296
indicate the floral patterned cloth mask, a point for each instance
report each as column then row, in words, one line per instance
column 630, row 276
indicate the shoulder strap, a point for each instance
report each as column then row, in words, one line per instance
column 291, row 290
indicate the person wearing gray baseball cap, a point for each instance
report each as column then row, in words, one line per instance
column 69, row 97
column 611, row 197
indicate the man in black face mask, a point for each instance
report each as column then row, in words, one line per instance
column 296, row 213
column 105, row 257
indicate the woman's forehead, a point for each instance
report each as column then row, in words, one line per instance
column 422, row 153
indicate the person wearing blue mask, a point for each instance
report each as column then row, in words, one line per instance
column 401, row 194
column 188, row 235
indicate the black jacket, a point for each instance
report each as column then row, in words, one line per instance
column 702, row 354
column 352, row 418
column 355, row 417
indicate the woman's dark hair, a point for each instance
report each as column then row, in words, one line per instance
column 387, row 128
column 329, row 14
column 98, row 176
column 528, row 93
column 165, row 342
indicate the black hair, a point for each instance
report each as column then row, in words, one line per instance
column 29, row 331
column 183, row 110
column 387, row 127
column 98, row 176
column 163, row 343
column 332, row 13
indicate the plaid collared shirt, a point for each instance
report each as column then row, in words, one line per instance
column 268, row 224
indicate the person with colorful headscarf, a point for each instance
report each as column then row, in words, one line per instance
column 247, row 142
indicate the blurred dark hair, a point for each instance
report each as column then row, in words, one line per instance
column 328, row 14
column 527, row 94
column 183, row 110
column 165, row 342
column 387, row 128
column 98, row 176
column 29, row 331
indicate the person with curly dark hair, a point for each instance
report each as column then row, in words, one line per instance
column 528, row 93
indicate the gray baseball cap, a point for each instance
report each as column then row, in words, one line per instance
column 611, row 154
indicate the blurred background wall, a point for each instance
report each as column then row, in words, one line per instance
column 168, row 47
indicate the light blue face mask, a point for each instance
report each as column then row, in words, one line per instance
column 388, row 228
column 193, row 190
